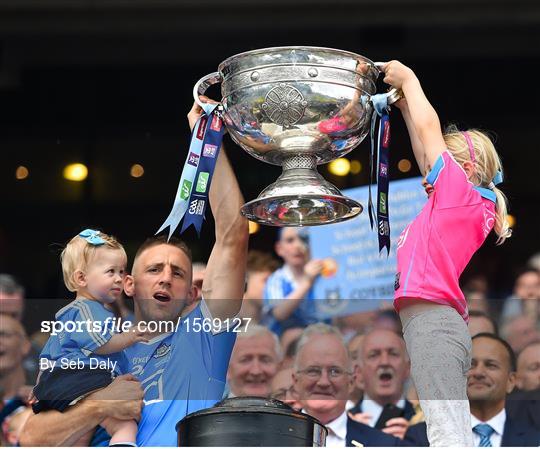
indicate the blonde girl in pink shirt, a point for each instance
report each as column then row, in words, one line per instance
column 462, row 170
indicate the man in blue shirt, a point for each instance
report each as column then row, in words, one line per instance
column 182, row 369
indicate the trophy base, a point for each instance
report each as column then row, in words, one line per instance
column 300, row 197
column 301, row 210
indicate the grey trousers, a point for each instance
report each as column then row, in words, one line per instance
column 439, row 346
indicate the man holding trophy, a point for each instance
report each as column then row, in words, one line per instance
column 298, row 107
column 302, row 106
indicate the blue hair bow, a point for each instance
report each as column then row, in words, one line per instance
column 498, row 178
column 92, row 237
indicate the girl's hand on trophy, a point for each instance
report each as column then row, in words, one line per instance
column 396, row 73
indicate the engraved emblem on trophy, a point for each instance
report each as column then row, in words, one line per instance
column 297, row 107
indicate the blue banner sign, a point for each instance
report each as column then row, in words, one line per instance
column 356, row 277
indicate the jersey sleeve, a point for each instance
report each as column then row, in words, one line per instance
column 96, row 325
column 450, row 183
column 274, row 292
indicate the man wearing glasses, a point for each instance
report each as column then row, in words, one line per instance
column 323, row 378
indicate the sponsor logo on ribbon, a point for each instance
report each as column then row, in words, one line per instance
column 382, row 202
column 202, row 127
column 193, row 159
column 210, row 150
column 216, row 124
column 384, row 228
column 202, row 182
column 186, row 189
column 386, row 135
column 196, row 207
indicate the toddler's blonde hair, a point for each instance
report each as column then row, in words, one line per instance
column 79, row 252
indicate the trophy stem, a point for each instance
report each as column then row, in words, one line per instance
column 306, row 161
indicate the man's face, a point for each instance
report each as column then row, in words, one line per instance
column 291, row 248
column 490, row 377
column 12, row 304
column 160, row 283
column 283, row 388
column 13, row 344
column 528, row 368
column 355, row 348
column 384, row 366
column 521, row 332
column 253, row 364
column 528, row 286
column 322, row 376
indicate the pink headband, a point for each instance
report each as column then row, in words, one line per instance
column 470, row 144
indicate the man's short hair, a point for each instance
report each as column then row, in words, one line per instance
column 302, row 232
column 257, row 330
column 320, row 329
column 163, row 240
column 530, row 345
column 480, row 314
column 371, row 331
column 509, row 350
column 525, row 270
column 10, row 286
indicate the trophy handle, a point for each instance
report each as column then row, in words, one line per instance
column 393, row 94
column 203, row 84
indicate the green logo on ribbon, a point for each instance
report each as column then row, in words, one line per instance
column 186, row 189
column 202, row 182
column 383, row 203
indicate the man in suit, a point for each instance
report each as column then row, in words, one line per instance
column 323, row 378
column 384, row 367
column 490, row 380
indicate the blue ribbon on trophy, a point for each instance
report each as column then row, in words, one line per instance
column 192, row 193
column 380, row 104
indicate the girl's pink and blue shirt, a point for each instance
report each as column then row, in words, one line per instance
column 435, row 248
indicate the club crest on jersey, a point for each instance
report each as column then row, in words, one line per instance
column 162, row 350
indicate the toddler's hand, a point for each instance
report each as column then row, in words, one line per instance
column 136, row 335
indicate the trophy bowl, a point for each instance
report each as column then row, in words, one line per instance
column 297, row 107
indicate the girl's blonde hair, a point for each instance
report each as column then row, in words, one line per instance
column 487, row 163
column 79, row 252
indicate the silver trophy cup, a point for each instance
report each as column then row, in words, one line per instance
column 297, row 107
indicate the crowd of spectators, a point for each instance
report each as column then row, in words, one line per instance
column 352, row 372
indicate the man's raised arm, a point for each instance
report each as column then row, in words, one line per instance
column 224, row 280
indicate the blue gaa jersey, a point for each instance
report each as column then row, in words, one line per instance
column 87, row 325
column 180, row 373
column 279, row 285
